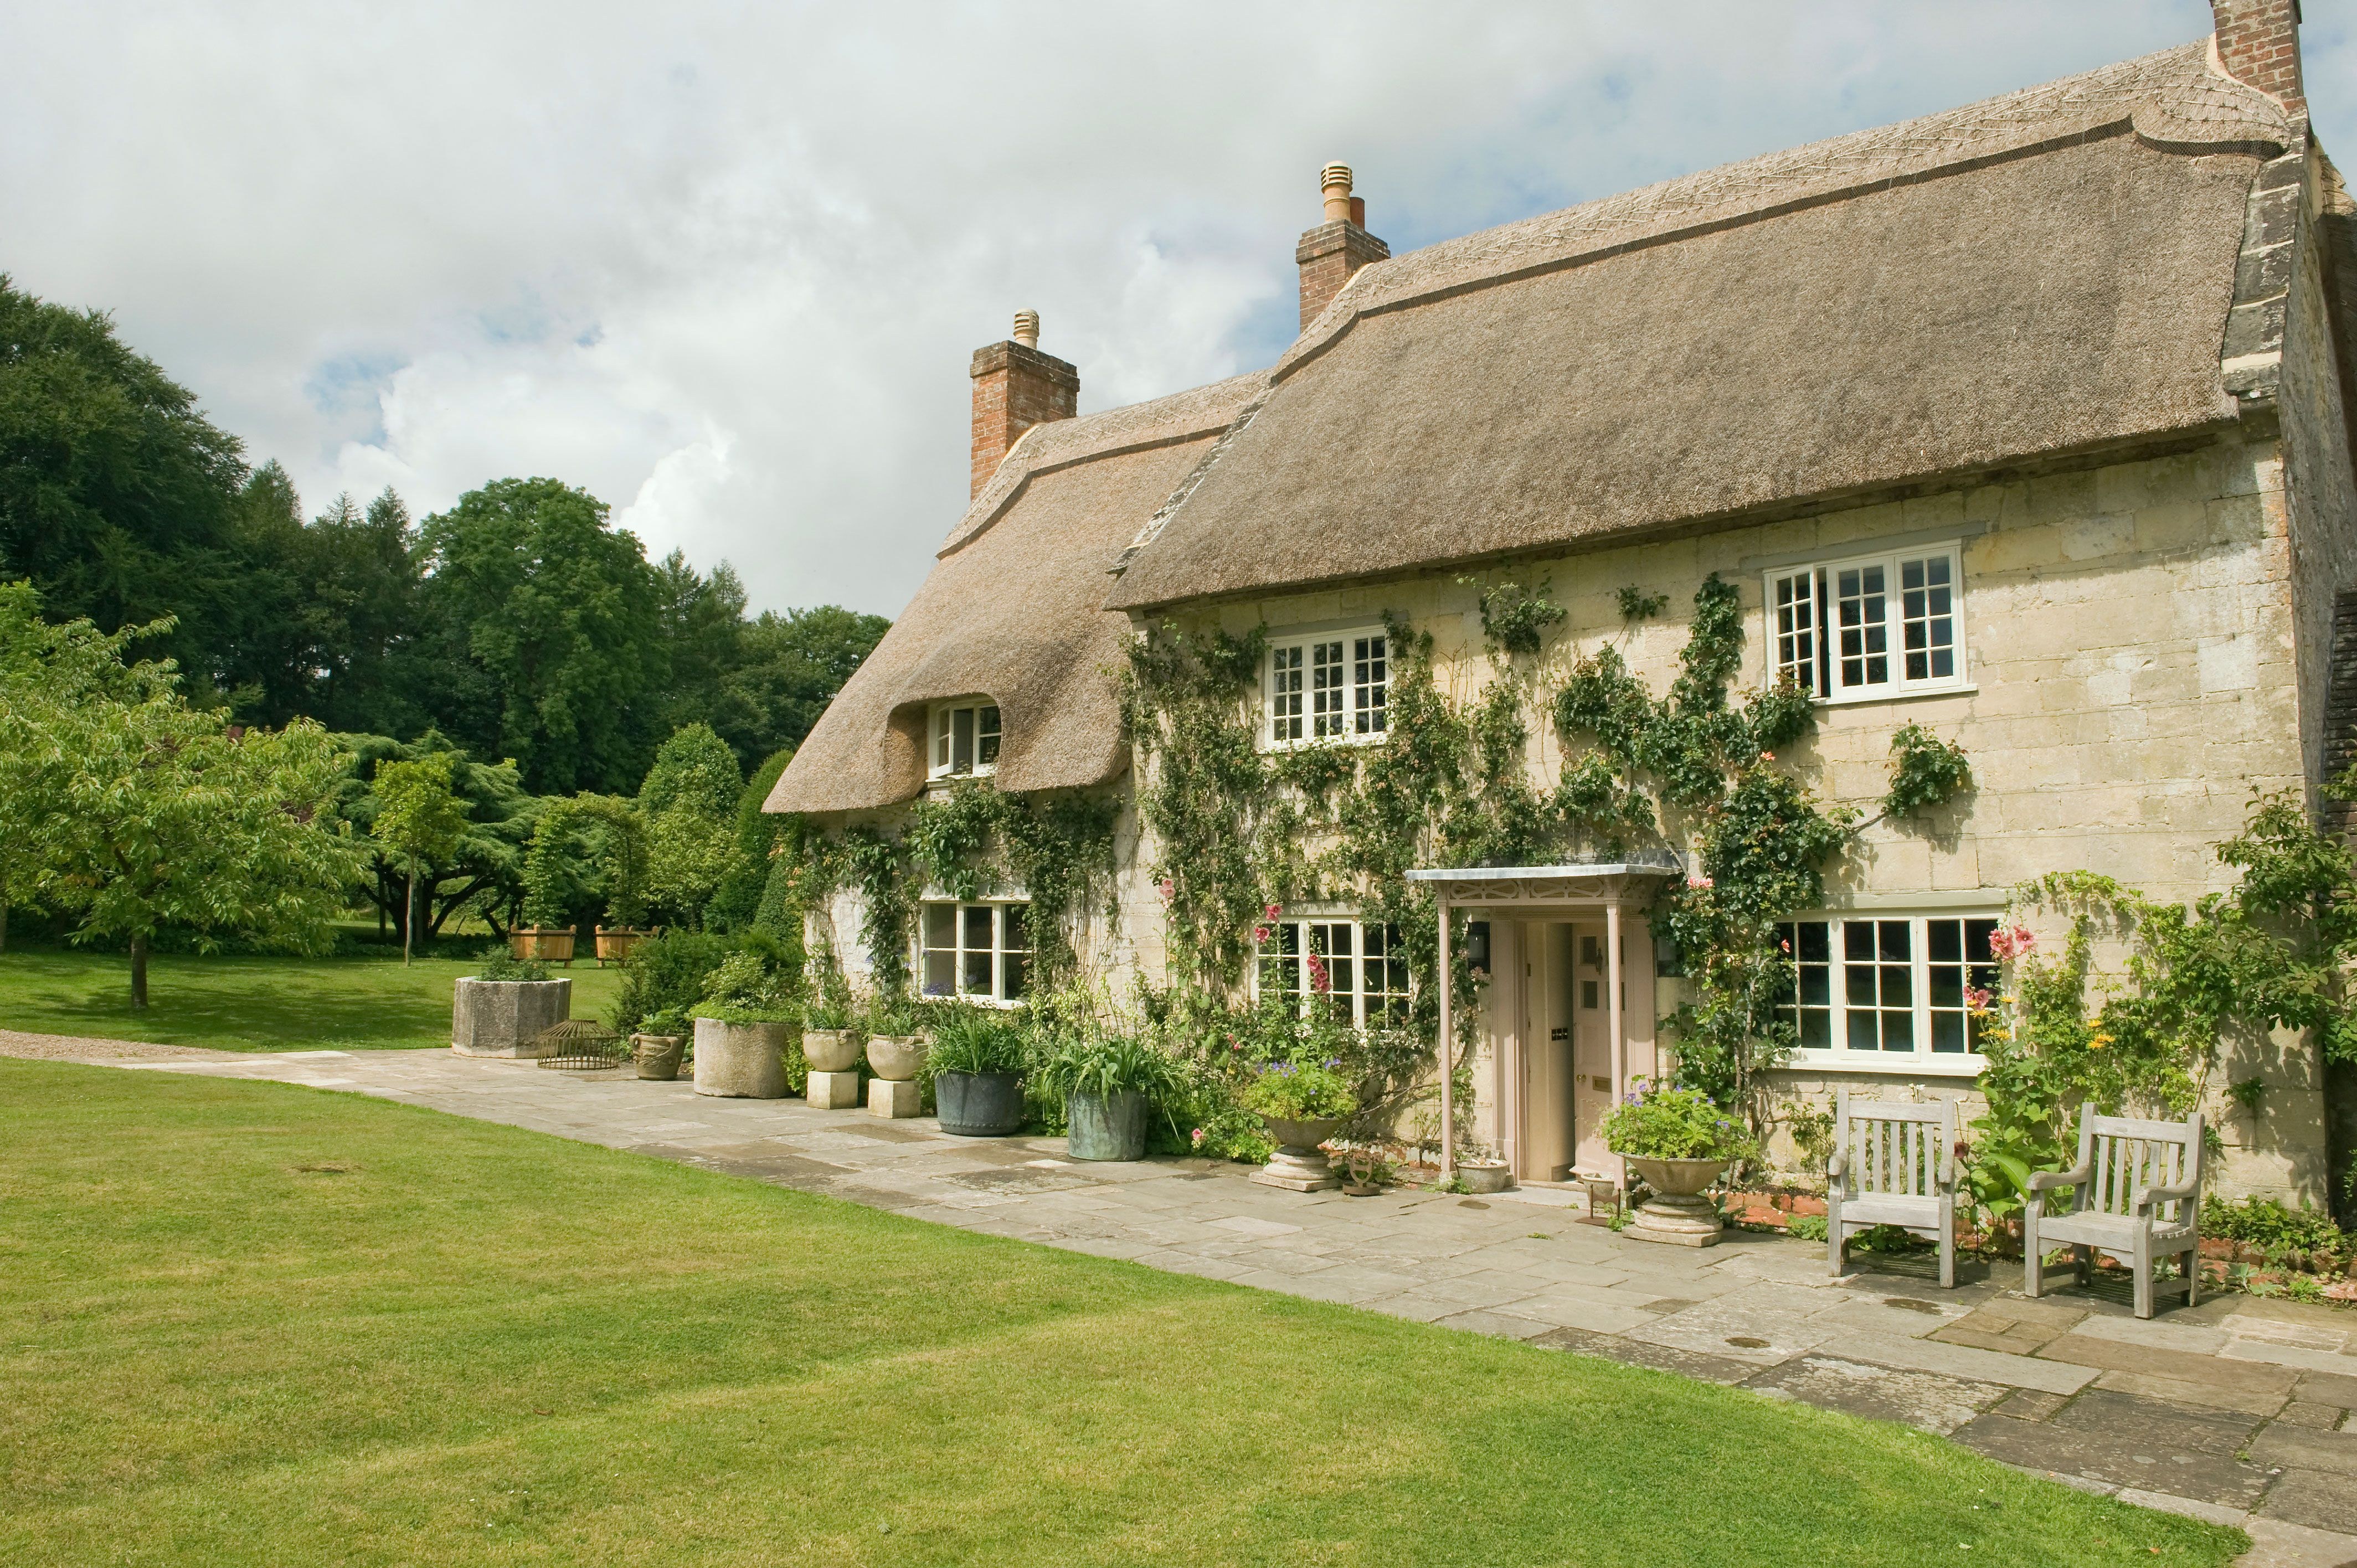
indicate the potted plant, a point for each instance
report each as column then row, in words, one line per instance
column 548, row 932
column 740, row 1030
column 625, row 862
column 1679, row 1141
column 658, row 1043
column 505, row 1006
column 977, row 1060
column 1479, row 1169
column 1108, row 1081
column 1301, row 1104
column 831, row 1035
column 896, row 1050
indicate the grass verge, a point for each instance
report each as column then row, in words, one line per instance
column 253, row 1322
column 237, row 1003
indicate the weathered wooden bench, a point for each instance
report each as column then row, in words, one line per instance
column 2135, row 1193
column 1893, row 1163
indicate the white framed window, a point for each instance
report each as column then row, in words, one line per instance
column 964, row 740
column 1358, row 965
column 1893, row 991
column 979, row 952
column 1333, row 687
column 1878, row 626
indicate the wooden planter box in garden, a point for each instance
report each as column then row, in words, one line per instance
column 503, row 1017
column 617, row 943
column 549, row 944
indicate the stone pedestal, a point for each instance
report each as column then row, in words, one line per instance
column 834, row 1090
column 895, row 1097
column 1299, row 1170
column 1681, row 1221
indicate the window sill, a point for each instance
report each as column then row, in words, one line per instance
column 1002, row 1004
column 1322, row 742
column 1851, row 699
column 934, row 779
column 1895, row 1064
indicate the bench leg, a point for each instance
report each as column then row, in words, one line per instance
column 2033, row 1274
column 2193, row 1276
column 2082, row 1263
column 2141, row 1262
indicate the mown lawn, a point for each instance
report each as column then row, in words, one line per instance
column 248, row 1323
column 242, row 1003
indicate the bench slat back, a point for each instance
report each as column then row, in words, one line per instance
column 1892, row 1149
column 2124, row 1155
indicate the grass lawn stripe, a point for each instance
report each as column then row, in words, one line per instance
column 475, row 1344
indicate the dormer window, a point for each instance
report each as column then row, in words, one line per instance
column 965, row 740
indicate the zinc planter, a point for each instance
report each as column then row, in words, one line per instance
column 618, row 943
column 895, row 1057
column 1484, row 1176
column 549, row 944
column 1677, row 1212
column 831, row 1051
column 741, row 1062
column 1107, row 1126
column 656, row 1056
column 979, row 1104
column 1298, row 1165
column 503, row 1017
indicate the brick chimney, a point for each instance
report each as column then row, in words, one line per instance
column 1337, row 248
column 2258, row 43
column 1016, row 387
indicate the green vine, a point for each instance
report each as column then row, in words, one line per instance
column 1055, row 846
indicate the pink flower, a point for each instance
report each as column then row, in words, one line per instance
column 1260, row 933
column 1699, row 884
column 1270, row 912
column 1977, row 998
column 1319, row 981
column 1167, row 888
column 1199, row 1137
column 1767, row 756
column 2010, row 941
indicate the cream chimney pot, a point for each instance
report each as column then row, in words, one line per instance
column 1027, row 329
column 1334, row 181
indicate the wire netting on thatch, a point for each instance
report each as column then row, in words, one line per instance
column 580, row 1045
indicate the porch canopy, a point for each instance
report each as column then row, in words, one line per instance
column 1588, row 887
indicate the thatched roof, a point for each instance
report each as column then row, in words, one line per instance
column 1013, row 610
column 2043, row 273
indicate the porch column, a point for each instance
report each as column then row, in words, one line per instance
column 1447, row 1057
column 1612, row 1014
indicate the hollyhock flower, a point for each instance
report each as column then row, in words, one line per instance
column 1167, row 888
column 1699, row 883
column 1260, row 933
column 1319, row 981
column 1977, row 998
column 2010, row 941
column 1270, row 911
column 1199, row 1137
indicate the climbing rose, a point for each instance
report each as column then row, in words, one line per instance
column 1699, row 883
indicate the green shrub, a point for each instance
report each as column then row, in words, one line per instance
column 2267, row 1225
column 967, row 1038
column 1661, row 1121
column 666, row 974
column 1106, row 1062
column 1300, row 1091
column 498, row 963
column 1808, row 1227
column 745, row 989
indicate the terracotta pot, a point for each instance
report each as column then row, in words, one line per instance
column 549, row 944
column 658, row 1055
column 831, row 1051
column 616, row 944
column 895, row 1057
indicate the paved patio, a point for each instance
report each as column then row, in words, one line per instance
column 2233, row 1411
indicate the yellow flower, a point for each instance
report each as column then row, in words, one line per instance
column 2097, row 1042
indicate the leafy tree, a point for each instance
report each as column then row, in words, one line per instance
column 789, row 669
column 556, row 611
column 739, row 897
column 484, row 869
column 689, row 802
column 418, row 818
column 152, row 813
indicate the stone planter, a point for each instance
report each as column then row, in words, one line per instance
column 741, row 1062
column 503, row 1017
column 979, row 1104
column 1484, row 1176
column 549, row 944
column 1298, row 1165
column 1107, row 1126
column 895, row 1057
column 831, row 1051
column 618, row 943
column 658, row 1056
column 1675, row 1211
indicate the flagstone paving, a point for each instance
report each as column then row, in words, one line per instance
column 2233, row 1411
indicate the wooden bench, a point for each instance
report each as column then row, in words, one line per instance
column 1893, row 1163
column 2135, row 1193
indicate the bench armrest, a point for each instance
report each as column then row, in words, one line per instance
column 1836, row 1167
column 2045, row 1181
column 2147, row 1197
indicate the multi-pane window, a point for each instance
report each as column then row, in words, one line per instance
column 979, row 951
column 1869, row 628
column 1356, row 969
column 965, row 740
column 1881, row 988
column 1328, row 689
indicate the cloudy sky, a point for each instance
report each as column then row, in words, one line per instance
column 724, row 265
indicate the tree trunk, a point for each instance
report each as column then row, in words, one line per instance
column 4, row 916
column 409, row 912
column 139, row 973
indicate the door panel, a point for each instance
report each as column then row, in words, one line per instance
column 1546, row 1100
column 1591, row 1050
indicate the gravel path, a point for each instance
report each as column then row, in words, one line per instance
column 79, row 1048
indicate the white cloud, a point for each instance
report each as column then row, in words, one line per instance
column 723, row 267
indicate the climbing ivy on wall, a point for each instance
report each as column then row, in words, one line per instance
column 1451, row 783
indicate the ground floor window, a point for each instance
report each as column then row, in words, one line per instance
column 1884, row 990
column 981, row 951
column 1358, row 964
